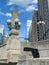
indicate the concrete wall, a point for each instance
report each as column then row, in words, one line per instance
column 31, row 61
column 8, row 64
column 43, row 47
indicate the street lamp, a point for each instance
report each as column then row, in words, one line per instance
column 41, row 29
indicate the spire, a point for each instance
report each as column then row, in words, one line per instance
column 14, row 14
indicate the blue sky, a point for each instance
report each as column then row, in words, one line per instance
column 25, row 10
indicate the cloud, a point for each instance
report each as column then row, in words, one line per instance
column 34, row 1
column 8, row 14
column 9, row 3
column 31, row 8
column 8, row 20
column 22, row 3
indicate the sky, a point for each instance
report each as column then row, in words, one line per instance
column 25, row 10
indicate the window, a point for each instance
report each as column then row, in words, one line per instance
column 38, row 31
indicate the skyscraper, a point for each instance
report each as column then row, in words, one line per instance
column 28, row 27
column 41, row 30
column 1, row 33
column 33, row 37
column 37, row 29
column 43, row 12
column 2, row 29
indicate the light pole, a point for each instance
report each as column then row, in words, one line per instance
column 41, row 29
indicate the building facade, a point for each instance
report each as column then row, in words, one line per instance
column 1, row 33
column 41, row 30
column 33, row 37
column 37, row 29
column 43, row 12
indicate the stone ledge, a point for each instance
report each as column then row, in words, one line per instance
column 38, row 59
